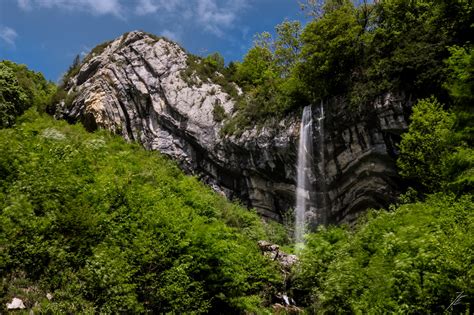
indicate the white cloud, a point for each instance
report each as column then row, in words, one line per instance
column 24, row 4
column 213, row 16
column 98, row 7
column 8, row 35
column 173, row 35
column 163, row 6
column 146, row 7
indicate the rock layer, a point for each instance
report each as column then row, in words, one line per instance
column 135, row 88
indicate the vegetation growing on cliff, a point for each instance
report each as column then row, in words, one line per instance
column 358, row 52
column 432, row 153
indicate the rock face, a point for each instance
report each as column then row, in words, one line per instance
column 135, row 88
column 273, row 252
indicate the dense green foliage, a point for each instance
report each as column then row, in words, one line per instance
column 107, row 227
column 433, row 153
column 414, row 259
column 426, row 146
column 358, row 52
column 460, row 81
column 12, row 97
column 437, row 149
column 20, row 89
column 331, row 47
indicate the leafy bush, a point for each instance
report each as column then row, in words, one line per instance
column 13, row 99
column 425, row 146
column 218, row 113
column 416, row 258
column 210, row 69
column 20, row 89
column 37, row 89
column 104, row 224
column 433, row 153
column 460, row 82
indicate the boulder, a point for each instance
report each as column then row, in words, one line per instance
column 16, row 304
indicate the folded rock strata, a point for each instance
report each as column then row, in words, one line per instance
column 135, row 87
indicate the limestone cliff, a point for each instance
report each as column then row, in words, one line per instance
column 135, row 88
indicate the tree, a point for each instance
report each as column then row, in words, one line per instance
column 257, row 67
column 460, row 82
column 425, row 147
column 331, row 47
column 408, row 42
column 215, row 61
column 287, row 46
column 264, row 40
column 72, row 70
column 38, row 90
column 13, row 100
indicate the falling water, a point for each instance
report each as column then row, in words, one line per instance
column 310, row 206
column 322, row 215
column 305, row 151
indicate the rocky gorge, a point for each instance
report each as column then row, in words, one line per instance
column 134, row 86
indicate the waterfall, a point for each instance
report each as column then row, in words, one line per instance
column 307, row 212
column 322, row 215
column 305, row 153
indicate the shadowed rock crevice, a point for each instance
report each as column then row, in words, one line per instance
column 135, row 88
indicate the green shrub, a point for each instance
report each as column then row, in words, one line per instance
column 435, row 150
column 425, row 146
column 210, row 69
column 218, row 113
column 20, row 89
column 13, row 99
column 416, row 258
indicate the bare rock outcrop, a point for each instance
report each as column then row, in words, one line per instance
column 134, row 87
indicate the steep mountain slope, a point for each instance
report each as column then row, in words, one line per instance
column 135, row 86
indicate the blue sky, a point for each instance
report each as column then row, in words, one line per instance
column 46, row 35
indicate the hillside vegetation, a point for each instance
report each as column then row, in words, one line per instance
column 415, row 259
column 106, row 227
column 20, row 89
column 416, row 256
